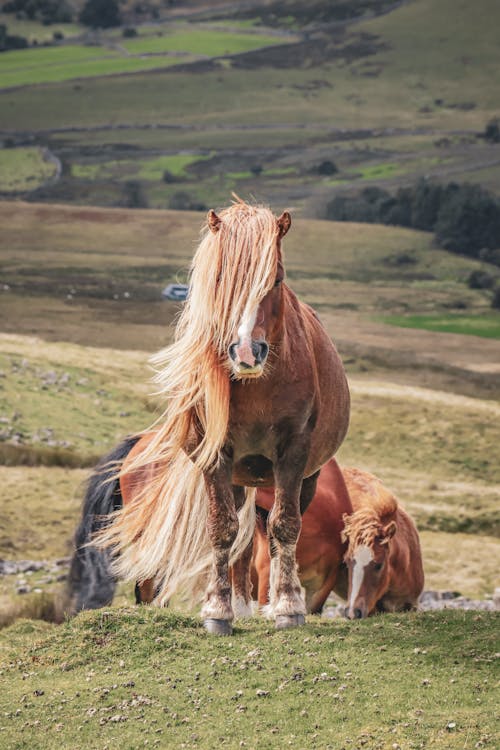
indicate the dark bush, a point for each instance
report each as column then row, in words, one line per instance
column 425, row 205
column 10, row 41
column 465, row 218
column 495, row 300
column 256, row 169
column 468, row 220
column 492, row 131
column 133, row 195
column 129, row 32
column 480, row 280
column 100, row 14
column 326, row 168
column 168, row 177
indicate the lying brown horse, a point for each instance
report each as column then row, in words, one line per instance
column 256, row 397
column 320, row 548
column 379, row 545
column 383, row 555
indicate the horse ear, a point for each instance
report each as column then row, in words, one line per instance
column 284, row 223
column 213, row 221
column 388, row 532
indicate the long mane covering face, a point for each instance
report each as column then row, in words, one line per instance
column 232, row 271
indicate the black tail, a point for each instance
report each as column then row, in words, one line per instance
column 91, row 582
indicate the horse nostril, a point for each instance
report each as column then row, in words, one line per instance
column 232, row 351
column 260, row 350
column 358, row 614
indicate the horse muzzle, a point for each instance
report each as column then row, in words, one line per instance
column 356, row 612
column 248, row 358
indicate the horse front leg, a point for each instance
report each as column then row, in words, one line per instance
column 287, row 602
column 217, row 612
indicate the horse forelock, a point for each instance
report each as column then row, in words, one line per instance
column 363, row 526
column 232, row 271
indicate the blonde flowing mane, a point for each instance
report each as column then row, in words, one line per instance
column 373, row 507
column 232, row 271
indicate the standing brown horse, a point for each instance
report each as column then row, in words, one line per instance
column 256, row 397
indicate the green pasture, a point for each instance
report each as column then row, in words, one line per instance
column 144, row 677
column 487, row 326
column 65, row 62
column 412, row 75
column 48, row 405
column 23, row 169
column 199, row 41
column 147, row 169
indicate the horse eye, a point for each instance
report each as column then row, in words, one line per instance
column 378, row 566
column 278, row 282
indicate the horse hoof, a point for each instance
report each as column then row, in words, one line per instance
column 218, row 627
column 289, row 621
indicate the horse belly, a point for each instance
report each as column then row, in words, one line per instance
column 254, row 470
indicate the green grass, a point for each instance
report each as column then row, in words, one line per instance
column 487, row 326
column 206, row 42
column 69, row 62
column 138, row 677
column 53, row 396
column 413, row 74
column 23, row 169
column 66, row 62
column 176, row 164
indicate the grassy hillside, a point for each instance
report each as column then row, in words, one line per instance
column 149, row 678
column 386, row 100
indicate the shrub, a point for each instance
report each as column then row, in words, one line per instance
column 326, row 168
column 129, row 32
column 492, row 131
column 100, row 14
column 468, row 220
column 168, row 177
column 480, row 280
column 9, row 41
column 133, row 195
column 465, row 218
column 495, row 301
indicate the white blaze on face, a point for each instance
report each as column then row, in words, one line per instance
column 362, row 557
column 247, row 325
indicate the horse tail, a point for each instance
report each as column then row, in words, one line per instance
column 163, row 533
column 91, row 582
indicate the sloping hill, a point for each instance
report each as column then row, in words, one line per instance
column 145, row 677
column 385, row 100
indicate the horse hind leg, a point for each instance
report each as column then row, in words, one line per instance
column 241, row 577
column 242, row 584
column 145, row 592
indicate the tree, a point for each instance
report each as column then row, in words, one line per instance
column 101, row 14
column 468, row 220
